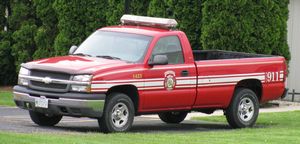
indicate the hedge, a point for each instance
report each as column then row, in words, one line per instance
column 76, row 20
column 47, row 31
column 22, row 24
column 246, row 25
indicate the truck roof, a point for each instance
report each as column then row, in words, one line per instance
column 143, row 30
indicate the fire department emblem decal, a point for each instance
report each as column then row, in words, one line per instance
column 170, row 80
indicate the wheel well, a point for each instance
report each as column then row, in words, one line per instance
column 130, row 91
column 253, row 84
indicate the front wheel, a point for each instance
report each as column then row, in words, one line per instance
column 118, row 114
column 43, row 119
column 172, row 117
column 243, row 110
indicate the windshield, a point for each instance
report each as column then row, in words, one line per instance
column 115, row 45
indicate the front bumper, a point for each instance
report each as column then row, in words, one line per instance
column 68, row 104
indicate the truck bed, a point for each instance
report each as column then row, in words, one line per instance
column 220, row 71
column 218, row 54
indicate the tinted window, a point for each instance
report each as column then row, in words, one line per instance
column 169, row 46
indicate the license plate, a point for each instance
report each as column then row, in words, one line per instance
column 41, row 102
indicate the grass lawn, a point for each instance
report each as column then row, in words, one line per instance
column 6, row 98
column 274, row 128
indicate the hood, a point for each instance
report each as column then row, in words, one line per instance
column 74, row 64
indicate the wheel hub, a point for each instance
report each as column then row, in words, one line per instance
column 246, row 109
column 119, row 115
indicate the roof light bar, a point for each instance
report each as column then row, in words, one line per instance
column 148, row 21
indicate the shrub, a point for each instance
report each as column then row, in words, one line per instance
column 76, row 20
column 115, row 9
column 245, row 25
column 138, row 7
column 7, row 73
column 23, row 26
column 188, row 15
column 46, row 33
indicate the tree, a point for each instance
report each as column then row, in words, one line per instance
column 115, row 10
column 138, row 7
column 95, row 15
column 76, row 20
column 46, row 33
column 23, row 25
column 188, row 15
column 7, row 73
column 282, row 47
column 248, row 26
column 3, row 7
column 159, row 8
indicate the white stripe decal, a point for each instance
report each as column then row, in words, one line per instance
column 186, row 86
column 179, row 78
column 151, row 88
column 129, row 80
column 149, row 84
column 228, row 79
column 186, row 82
column 137, row 84
column 220, row 84
column 231, row 75
column 181, row 82
column 140, row 80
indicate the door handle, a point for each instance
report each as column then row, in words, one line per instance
column 184, row 73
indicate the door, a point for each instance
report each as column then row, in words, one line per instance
column 171, row 86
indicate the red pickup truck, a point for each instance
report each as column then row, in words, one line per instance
column 146, row 66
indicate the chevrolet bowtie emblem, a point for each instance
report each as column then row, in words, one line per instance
column 47, row 80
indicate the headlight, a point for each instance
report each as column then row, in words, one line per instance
column 81, row 88
column 24, row 71
column 82, row 78
column 23, row 81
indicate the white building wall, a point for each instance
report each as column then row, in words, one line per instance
column 294, row 44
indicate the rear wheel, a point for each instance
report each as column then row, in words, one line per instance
column 172, row 117
column 243, row 110
column 43, row 119
column 118, row 114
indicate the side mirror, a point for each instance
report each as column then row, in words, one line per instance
column 72, row 49
column 158, row 60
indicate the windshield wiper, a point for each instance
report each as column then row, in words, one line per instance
column 108, row 57
column 82, row 54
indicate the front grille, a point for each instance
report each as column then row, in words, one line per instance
column 55, row 87
column 51, row 85
column 54, row 75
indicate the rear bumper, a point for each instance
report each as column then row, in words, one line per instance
column 80, row 105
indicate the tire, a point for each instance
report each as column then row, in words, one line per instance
column 243, row 110
column 118, row 114
column 172, row 117
column 43, row 119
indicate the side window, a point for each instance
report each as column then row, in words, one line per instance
column 171, row 47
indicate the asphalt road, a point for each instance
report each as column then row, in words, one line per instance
column 18, row 120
